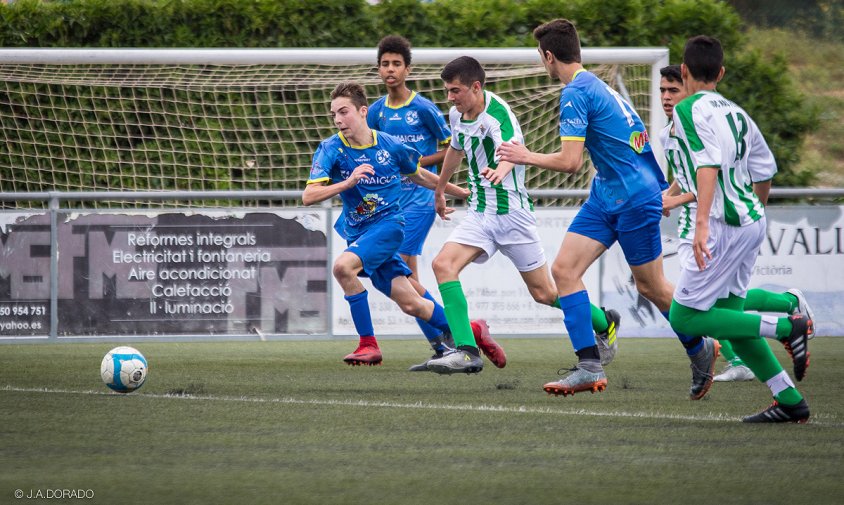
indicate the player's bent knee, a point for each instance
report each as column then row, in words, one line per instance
column 681, row 318
column 343, row 271
column 544, row 297
column 443, row 268
column 563, row 276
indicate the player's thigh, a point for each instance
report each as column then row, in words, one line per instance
column 412, row 263
column 540, row 285
column 453, row 258
column 404, row 294
column 473, row 231
column 576, row 255
column 652, row 283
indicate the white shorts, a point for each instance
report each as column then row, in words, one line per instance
column 514, row 234
column 734, row 251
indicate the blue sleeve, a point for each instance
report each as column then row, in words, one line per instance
column 408, row 158
column 435, row 122
column 574, row 114
column 372, row 115
column 322, row 163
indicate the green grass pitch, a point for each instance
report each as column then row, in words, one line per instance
column 288, row 423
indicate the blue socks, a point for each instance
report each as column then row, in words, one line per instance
column 438, row 320
column 577, row 316
column 691, row 344
column 361, row 316
column 430, row 331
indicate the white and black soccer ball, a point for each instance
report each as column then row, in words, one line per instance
column 124, row 369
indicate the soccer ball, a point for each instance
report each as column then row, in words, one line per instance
column 124, row 369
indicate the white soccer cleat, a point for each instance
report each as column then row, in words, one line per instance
column 735, row 373
column 803, row 307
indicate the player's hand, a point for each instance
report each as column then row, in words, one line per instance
column 513, row 151
column 667, row 203
column 701, row 249
column 497, row 175
column 464, row 193
column 440, row 206
column 361, row 172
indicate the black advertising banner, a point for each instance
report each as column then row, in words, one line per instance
column 171, row 273
column 25, row 274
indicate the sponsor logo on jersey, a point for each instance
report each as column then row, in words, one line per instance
column 638, row 141
column 573, row 121
column 367, row 206
column 380, row 179
column 411, row 117
column 410, row 138
column 382, row 156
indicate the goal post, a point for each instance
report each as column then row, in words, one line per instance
column 246, row 119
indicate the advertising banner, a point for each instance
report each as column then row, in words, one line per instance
column 171, row 273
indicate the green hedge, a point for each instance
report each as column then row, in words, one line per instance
column 761, row 86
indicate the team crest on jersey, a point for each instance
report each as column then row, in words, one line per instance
column 382, row 156
column 483, row 130
column 638, row 141
column 411, row 118
column 367, row 206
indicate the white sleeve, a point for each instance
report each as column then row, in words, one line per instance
column 760, row 160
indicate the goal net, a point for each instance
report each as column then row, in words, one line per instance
column 227, row 119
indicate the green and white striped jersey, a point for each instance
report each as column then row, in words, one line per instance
column 714, row 132
column 478, row 139
column 676, row 163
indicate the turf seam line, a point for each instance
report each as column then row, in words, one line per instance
column 414, row 405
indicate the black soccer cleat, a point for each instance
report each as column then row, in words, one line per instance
column 778, row 413
column 797, row 343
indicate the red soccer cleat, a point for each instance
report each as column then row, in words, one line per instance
column 488, row 346
column 364, row 355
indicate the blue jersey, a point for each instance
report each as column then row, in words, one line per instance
column 375, row 197
column 627, row 171
column 420, row 124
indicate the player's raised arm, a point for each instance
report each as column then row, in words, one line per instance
column 568, row 159
column 317, row 191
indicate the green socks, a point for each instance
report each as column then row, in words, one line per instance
column 768, row 301
column 599, row 319
column 457, row 313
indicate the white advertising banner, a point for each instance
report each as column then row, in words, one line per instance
column 494, row 290
column 804, row 249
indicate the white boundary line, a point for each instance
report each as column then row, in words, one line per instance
column 417, row 405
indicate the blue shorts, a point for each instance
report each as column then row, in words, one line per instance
column 418, row 222
column 377, row 249
column 636, row 229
